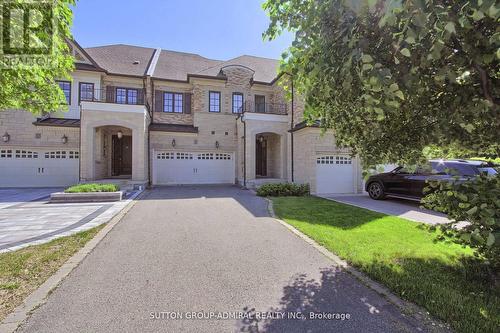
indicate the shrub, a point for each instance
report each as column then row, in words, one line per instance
column 477, row 202
column 283, row 190
column 84, row 188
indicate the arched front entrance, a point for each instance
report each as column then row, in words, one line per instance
column 113, row 152
column 268, row 156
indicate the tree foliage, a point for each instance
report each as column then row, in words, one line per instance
column 402, row 80
column 32, row 87
column 392, row 77
column 475, row 201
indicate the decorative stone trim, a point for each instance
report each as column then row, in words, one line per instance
column 61, row 197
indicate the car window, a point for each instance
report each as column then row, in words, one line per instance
column 438, row 168
column 490, row 171
column 459, row 169
column 402, row 170
column 425, row 170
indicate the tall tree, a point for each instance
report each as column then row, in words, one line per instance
column 32, row 86
column 392, row 77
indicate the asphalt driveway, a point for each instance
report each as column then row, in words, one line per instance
column 215, row 251
column 407, row 209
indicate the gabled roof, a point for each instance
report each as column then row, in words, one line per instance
column 122, row 59
column 266, row 70
column 172, row 65
column 83, row 61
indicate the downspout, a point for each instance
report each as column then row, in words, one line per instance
column 148, row 107
column 80, row 152
column 240, row 117
column 291, row 132
column 149, row 74
column 244, row 153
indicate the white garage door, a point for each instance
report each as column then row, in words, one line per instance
column 334, row 174
column 177, row 168
column 38, row 167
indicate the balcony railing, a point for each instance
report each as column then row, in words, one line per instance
column 113, row 95
column 266, row 108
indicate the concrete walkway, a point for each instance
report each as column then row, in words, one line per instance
column 15, row 196
column 24, row 222
column 407, row 209
column 215, row 251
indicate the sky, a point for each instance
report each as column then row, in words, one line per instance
column 216, row 29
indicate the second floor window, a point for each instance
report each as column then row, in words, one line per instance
column 173, row 102
column 86, row 91
column 237, row 102
column 66, row 88
column 260, row 104
column 214, row 101
column 126, row 96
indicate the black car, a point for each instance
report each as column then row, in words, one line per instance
column 402, row 183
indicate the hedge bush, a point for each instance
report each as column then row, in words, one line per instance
column 283, row 190
column 478, row 202
column 85, row 188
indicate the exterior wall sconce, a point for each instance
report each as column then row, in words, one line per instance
column 217, row 145
column 64, row 139
column 261, row 139
column 6, row 137
column 119, row 134
column 173, row 143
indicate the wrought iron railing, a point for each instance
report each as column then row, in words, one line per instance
column 268, row 108
column 113, row 95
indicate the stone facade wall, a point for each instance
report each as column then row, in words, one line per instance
column 274, row 156
column 92, row 120
column 279, row 131
column 310, row 142
column 225, row 127
column 19, row 125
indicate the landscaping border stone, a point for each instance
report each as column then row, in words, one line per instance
column 62, row 197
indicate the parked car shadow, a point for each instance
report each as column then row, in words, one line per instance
column 337, row 292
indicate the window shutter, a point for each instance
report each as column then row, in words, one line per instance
column 140, row 96
column 158, row 101
column 110, row 94
column 187, row 103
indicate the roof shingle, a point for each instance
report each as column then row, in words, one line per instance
column 119, row 59
column 172, row 65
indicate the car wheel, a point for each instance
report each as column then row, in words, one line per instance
column 376, row 191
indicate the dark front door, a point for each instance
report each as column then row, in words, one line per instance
column 122, row 155
column 261, row 158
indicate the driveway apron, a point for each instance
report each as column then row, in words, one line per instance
column 215, row 251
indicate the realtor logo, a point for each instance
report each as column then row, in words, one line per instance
column 27, row 32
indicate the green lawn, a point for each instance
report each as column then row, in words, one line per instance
column 22, row 271
column 440, row 276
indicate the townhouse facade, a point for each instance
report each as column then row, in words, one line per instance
column 160, row 117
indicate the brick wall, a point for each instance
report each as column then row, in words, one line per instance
column 19, row 125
